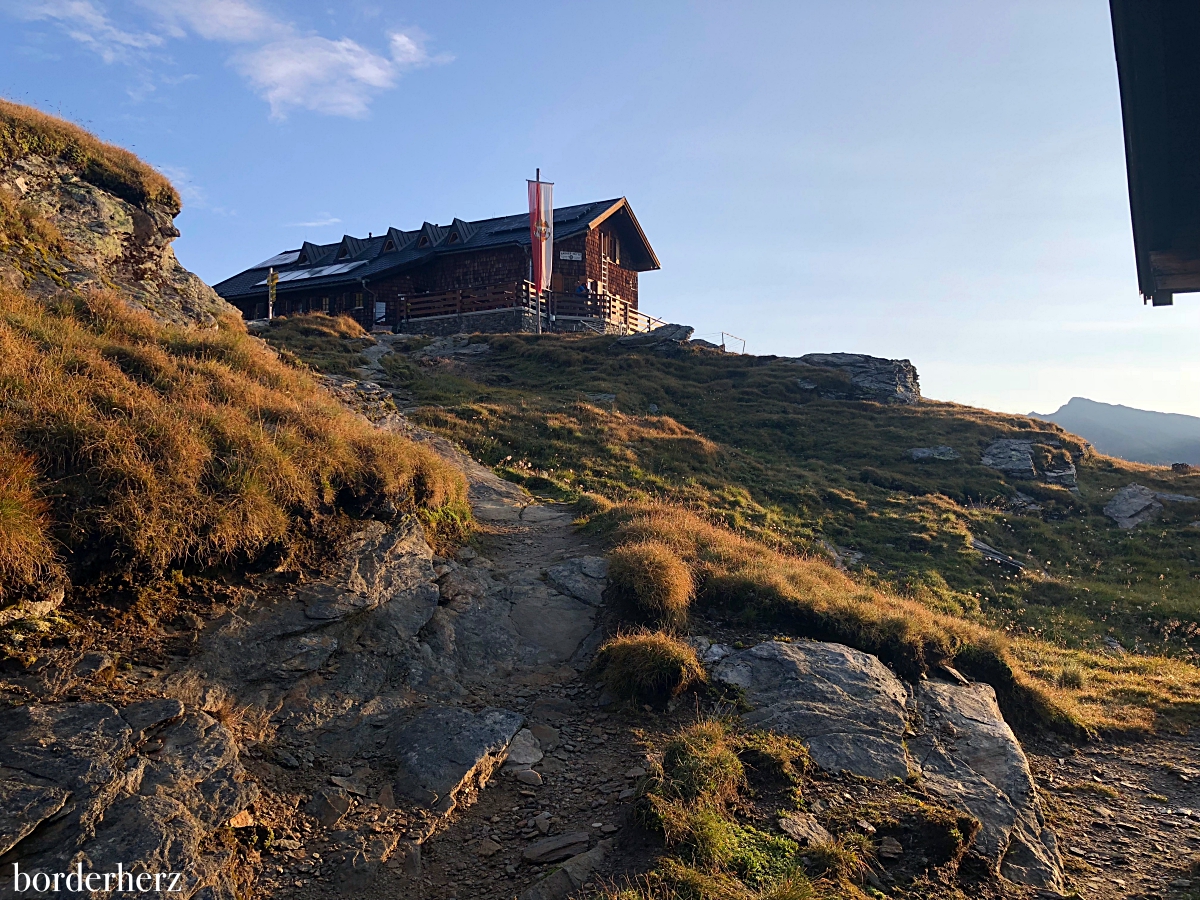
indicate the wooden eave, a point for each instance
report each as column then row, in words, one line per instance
column 623, row 205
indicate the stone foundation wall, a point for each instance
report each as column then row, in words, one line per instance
column 495, row 321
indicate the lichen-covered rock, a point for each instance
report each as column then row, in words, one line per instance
column 855, row 715
column 1015, row 457
column 970, row 757
column 663, row 335
column 113, row 241
column 873, row 378
column 1012, row 457
column 940, row 452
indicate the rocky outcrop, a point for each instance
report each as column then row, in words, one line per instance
column 1135, row 504
column 969, row 756
column 145, row 786
column 662, row 336
column 111, row 241
column 1015, row 457
column 872, row 378
column 855, row 715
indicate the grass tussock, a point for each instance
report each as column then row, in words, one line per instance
column 692, row 798
column 701, row 761
column 26, row 131
column 156, row 446
column 647, row 665
column 330, row 344
column 651, row 583
column 26, row 550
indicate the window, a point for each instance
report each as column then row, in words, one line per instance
column 610, row 248
column 358, row 301
column 423, row 242
column 324, row 304
column 453, row 239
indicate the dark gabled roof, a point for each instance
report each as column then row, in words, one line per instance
column 352, row 259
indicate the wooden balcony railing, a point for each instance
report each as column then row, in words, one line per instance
column 606, row 310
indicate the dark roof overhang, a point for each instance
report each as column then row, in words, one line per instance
column 1158, row 66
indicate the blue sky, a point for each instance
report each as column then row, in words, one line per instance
column 939, row 181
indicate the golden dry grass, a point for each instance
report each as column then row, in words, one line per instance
column 808, row 596
column 151, row 445
column 700, row 760
column 25, row 131
column 25, row 546
column 647, row 665
column 651, row 583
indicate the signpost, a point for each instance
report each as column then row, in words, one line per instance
column 272, row 280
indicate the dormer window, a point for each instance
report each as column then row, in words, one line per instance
column 423, row 242
column 453, row 239
column 388, row 246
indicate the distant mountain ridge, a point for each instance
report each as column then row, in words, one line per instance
column 1138, row 435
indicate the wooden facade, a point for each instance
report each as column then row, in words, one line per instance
column 457, row 286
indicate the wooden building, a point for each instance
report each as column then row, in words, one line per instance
column 465, row 276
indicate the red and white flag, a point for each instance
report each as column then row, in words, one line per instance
column 541, row 230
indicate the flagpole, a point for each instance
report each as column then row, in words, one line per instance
column 537, row 179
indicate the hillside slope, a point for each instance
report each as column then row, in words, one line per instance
column 778, row 452
column 141, row 429
column 1138, row 435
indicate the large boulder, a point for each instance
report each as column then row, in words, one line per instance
column 1134, row 504
column 970, row 757
column 448, row 752
column 847, row 705
column 855, row 715
column 873, row 378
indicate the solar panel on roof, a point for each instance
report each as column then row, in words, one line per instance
column 318, row 272
column 282, row 259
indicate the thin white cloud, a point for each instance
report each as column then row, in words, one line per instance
column 234, row 21
column 89, row 24
column 319, row 223
column 335, row 77
column 287, row 68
